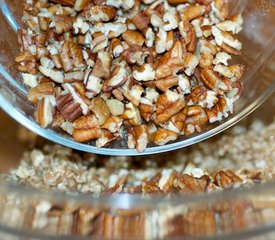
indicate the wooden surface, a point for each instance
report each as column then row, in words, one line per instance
column 10, row 148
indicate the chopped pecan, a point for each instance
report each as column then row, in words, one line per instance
column 100, row 108
column 79, row 5
column 27, row 63
column 41, row 90
column 134, row 54
column 65, row 2
column 141, row 21
column 116, row 47
column 69, row 109
column 44, row 111
column 86, row 128
column 71, row 56
column 105, row 138
column 170, row 68
column 133, row 38
column 116, row 107
column 210, row 79
column 117, row 79
column 134, row 94
column 196, row 116
column 102, row 67
column 99, row 42
column 226, row 179
column 146, row 111
column 156, row 64
column 163, row 84
column 63, row 24
column 132, row 114
column 168, row 104
column 146, row 74
column 113, row 124
column 100, row 13
column 139, row 137
column 193, row 11
column 55, row 75
column 163, row 136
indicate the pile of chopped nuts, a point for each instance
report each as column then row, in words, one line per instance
column 239, row 158
column 156, row 69
column 58, row 168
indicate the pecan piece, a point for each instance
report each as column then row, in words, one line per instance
column 27, row 63
column 41, row 90
column 163, row 84
column 71, row 56
column 163, row 136
column 100, row 109
column 134, row 54
column 193, row 11
column 113, row 124
column 138, row 137
column 133, row 38
column 116, row 107
column 102, row 67
column 86, row 128
column 64, row 2
column 170, row 68
column 141, row 21
column 210, row 79
column 44, row 111
column 196, row 116
column 105, row 138
column 147, row 73
column 117, row 79
column 63, row 24
column 69, row 109
column 226, row 179
column 168, row 104
column 100, row 13
column 79, row 5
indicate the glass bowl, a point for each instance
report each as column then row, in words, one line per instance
column 28, row 213
column 258, row 56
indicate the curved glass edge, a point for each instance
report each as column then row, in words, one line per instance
column 129, row 201
column 7, row 14
column 50, row 135
column 28, row 123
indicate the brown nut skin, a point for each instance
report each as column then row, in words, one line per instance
column 100, row 109
column 166, row 109
column 39, row 91
column 193, row 11
column 164, row 136
column 64, row 2
column 103, row 13
column 63, row 24
column 226, row 179
column 177, row 2
column 115, row 81
column 163, row 84
column 141, row 20
column 141, row 137
column 86, row 128
column 170, row 68
column 68, row 108
column 146, row 111
column 133, row 37
column 43, row 114
column 209, row 78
